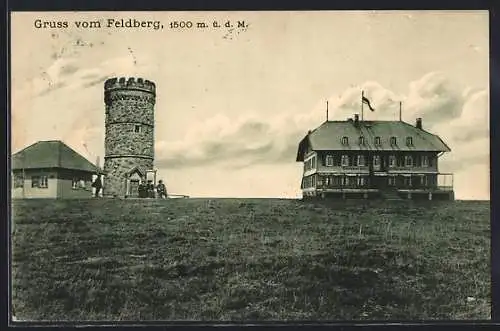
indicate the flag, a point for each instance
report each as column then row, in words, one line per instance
column 365, row 100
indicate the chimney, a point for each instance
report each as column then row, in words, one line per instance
column 419, row 123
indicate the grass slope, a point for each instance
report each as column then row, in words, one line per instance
column 244, row 259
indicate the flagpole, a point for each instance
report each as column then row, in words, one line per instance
column 327, row 110
column 23, row 157
column 400, row 106
column 362, row 96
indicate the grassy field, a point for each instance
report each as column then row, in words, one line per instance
column 249, row 259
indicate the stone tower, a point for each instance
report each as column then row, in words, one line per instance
column 129, row 134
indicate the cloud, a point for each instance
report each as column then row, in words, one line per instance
column 435, row 98
column 218, row 140
column 45, row 97
column 385, row 102
column 471, row 127
column 459, row 117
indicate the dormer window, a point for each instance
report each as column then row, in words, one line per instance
column 409, row 141
column 361, row 140
column 345, row 140
column 377, row 141
column 393, row 140
column 137, row 128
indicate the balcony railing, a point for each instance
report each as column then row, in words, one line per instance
column 355, row 168
column 439, row 182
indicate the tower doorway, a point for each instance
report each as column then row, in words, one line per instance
column 134, row 188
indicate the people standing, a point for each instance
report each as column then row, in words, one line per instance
column 97, row 184
column 151, row 189
column 161, row 190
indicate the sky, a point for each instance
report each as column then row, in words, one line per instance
column 233, row 103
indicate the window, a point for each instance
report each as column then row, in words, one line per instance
column 361, row 140
column 18, row 181
column 376, row 160
column 377, row 141
column 392, row 181
column 329, row 161
column 78, row 183
column 39, row 182
column 407, row 181
column 424, row 181
column 344, row 181
column 393, row 140
column 137, row 128
column 425, row 161
column 361, row 160
column 392, row 161
column 345, row 140
column 345, row 160
column 361, row 181
column 408, row 161
column 409, row 141
column 313, row 162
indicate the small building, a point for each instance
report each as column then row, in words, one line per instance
column 51, row 169
column 364, row 159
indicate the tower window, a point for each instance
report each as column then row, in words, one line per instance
column 137, row 128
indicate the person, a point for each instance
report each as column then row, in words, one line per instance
column 97, row 184
column 150, row 189
column 141, row 190
column 161, row 189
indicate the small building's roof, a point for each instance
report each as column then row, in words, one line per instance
column 328, row 136
column 51, row 154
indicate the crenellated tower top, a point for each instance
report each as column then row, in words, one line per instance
column 131, row 83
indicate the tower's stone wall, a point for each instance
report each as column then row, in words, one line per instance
column 118, row 167
column 129, row 127
column 121, row 139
